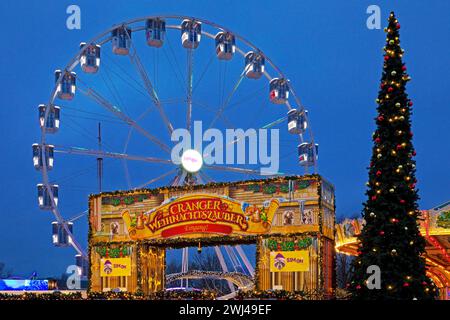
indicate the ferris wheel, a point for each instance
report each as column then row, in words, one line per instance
column 133, row 85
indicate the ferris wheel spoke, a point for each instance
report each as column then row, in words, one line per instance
column 190, row 67
column 230, row 95
column 106, row 154
column 274, row 123
column 199, row 178
column 156, row 179
column 211, row 109
column 247, row 98
column 91, row 93
column 204, row 72
column 134, row 57
column 206, row 177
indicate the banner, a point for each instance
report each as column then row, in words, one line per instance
column 289, row 261
column 200, row 214
column 115, row 267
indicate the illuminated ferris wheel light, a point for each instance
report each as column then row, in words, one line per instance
column 191, row 160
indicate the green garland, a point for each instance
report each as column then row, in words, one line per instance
column 289, row 245
column 157, row 191
column 113, row 252
column 42, row 296
column 125, row 200
column 277, row 188
column 321, row 281
column 89, row 287
column 175, row 243
column 257, row 260
column 280, row 295
column 111, row 295
column 168, row 295
column 139, row 248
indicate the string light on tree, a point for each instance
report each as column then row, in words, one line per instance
column 390, row 237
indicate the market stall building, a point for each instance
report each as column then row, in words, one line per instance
column 291, row 220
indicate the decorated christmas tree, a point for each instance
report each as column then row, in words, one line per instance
column 390, row 238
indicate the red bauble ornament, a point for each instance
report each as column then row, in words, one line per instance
column 378, row 173
column 406, row 284
column 390, row 89
column 377, row 140
column 380, row 118
column 397, row 25
column 358, row 287
column 381, row 233
column 374, row 198
column 402, row 201
column 386, row 58
column 404, row 68
column 424, row 283
column 410, row 103
column 414, row 153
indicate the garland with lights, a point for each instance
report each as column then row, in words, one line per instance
column 320, row 239
column 42, row 296
column 111, row 295
column 183, row 295
column 391, row 239
column 139, row 193
column 176, row 243
column 271, row 188
column 113, row 252
column 89, row 250
column 139, row 252
column 289, row 245
column 280, row 295
column 169, row 295
column 125, row 200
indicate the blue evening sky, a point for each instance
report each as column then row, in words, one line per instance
column 333, row 61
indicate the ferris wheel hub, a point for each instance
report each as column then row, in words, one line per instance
column 191, row 160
